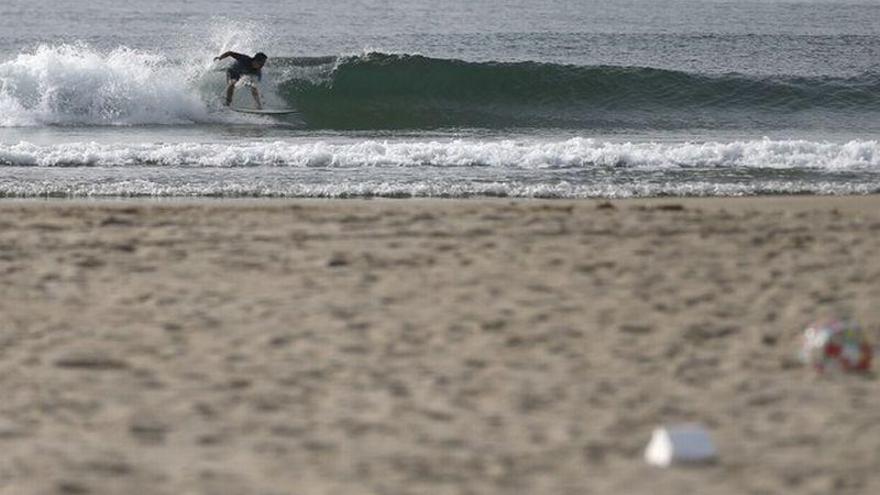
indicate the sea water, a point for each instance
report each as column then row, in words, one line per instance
column 464, row 98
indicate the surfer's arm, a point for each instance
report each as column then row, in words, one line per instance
column 234, row 55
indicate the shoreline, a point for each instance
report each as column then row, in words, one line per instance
column 757, row 199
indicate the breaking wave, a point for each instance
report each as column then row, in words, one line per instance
column 575, row 153
column 74, row 85
column 77, row 85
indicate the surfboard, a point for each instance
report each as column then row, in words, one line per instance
column 265, row 111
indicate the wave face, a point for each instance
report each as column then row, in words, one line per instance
column 72, row 85
column 376, row 91
column 573, row 168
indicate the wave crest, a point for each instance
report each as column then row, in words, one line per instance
column 576, row 153
column 73, row 84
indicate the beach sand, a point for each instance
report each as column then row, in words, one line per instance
column 430, row 347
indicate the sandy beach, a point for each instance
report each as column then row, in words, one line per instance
column 430, row 347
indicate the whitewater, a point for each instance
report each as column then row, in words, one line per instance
column 351, row 167
column 786, row 101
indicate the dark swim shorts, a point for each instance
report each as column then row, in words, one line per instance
column 243, row 66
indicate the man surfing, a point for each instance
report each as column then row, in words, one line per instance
column 244, row 66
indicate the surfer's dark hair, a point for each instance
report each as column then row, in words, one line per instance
column 260, row 56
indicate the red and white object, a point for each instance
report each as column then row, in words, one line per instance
column 833, row 344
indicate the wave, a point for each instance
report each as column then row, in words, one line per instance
column 575, row 153
column 377, row 90
column 572, row 168
column 74, row 85
column 77, row 85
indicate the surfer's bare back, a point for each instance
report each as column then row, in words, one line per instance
column 243, row 66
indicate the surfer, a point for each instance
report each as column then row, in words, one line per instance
column 244, row 66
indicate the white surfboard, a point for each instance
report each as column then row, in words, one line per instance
column 266, row 111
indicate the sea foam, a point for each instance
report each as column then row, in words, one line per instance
column 77, row 85
column 509, row 154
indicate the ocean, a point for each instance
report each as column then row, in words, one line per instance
column 414, row 98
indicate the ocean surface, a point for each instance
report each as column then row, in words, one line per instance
column 461, row 98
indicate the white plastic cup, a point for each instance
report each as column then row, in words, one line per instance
column 680, row 444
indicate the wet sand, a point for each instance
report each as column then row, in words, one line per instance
column 430, row 347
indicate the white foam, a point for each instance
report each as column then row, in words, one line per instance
column 106, row 183
column 507, row 154
column 574, row 168
column 74, row 84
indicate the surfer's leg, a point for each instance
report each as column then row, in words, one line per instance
column 256, row 94
column 232, row 77
column 230, row 91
